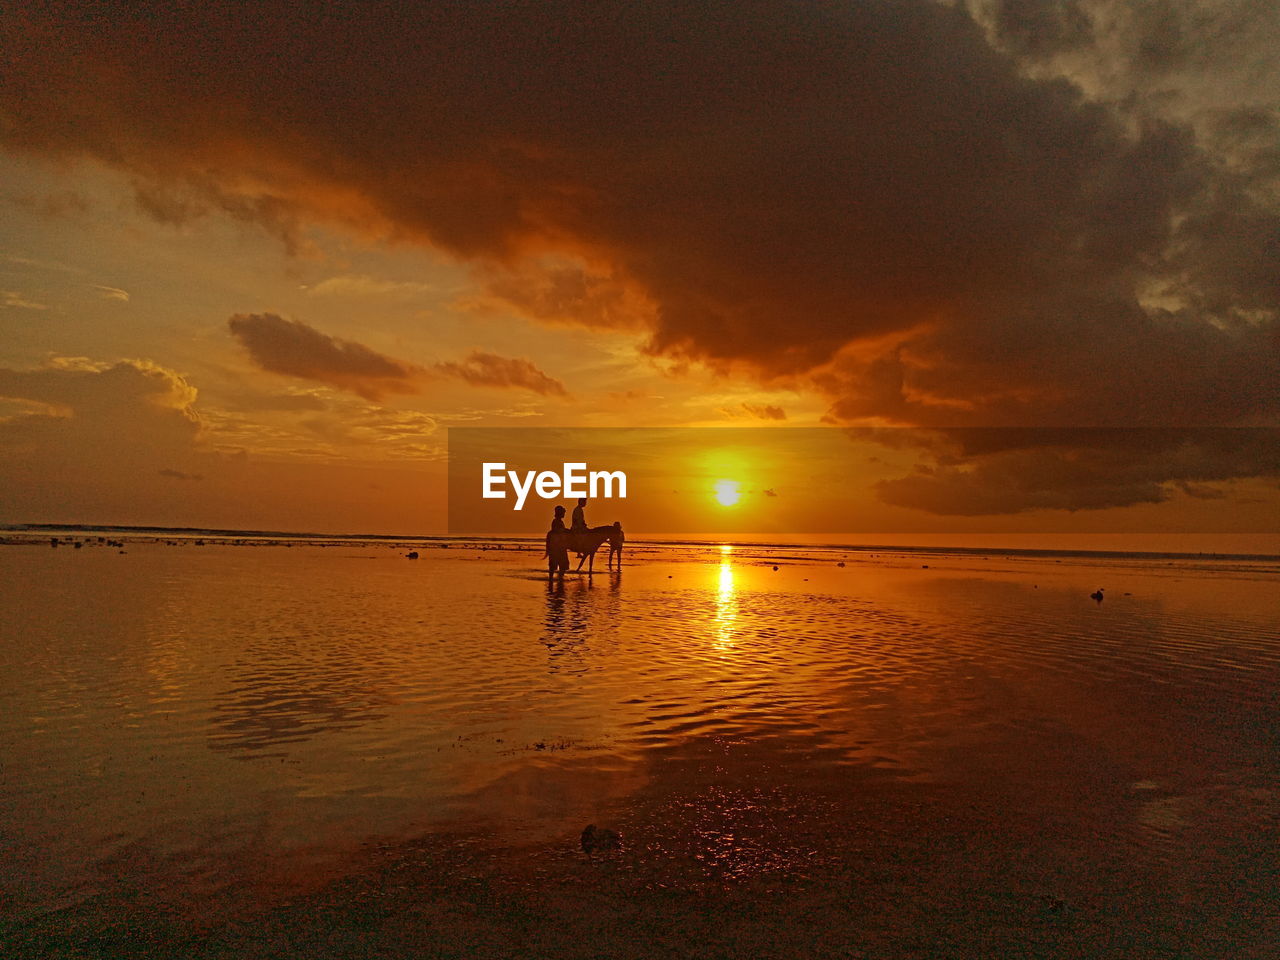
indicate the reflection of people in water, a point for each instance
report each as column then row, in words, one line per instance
column 557, row 546
column 579, row 517
column 577, row 611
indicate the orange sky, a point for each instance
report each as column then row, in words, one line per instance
column 251, row 273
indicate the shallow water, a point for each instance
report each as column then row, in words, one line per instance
column 224, row 729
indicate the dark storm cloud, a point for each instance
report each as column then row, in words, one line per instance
column 868, row 197
column 1040, row 27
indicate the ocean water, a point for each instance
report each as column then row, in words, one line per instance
column 961, row 749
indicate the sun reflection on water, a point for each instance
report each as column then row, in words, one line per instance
column 726, row 617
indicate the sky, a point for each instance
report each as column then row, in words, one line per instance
column 254, row 267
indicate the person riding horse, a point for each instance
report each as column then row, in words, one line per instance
column 584, row 542
column 579, row 517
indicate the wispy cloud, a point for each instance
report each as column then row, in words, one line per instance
column 482, row 369
column 12, row 298
column 360, row 285
column 111, row 293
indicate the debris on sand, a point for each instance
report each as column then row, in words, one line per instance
column 596, row 838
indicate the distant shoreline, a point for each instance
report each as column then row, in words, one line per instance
column 265, row 537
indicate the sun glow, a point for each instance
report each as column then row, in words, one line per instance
column 727, row 492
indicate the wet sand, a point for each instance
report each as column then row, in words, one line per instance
column 335, row 751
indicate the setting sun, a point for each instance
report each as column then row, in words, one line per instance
column 727, row 492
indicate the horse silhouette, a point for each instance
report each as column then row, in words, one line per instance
column 585, row 543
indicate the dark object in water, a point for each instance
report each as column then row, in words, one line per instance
column 924, row 566
column 412, row 554
column 775, row 568
column 840, row 564
column 595, row 838
column 1096, row 596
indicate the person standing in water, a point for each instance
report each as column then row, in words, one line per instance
column 579, row 517
column 557, row 546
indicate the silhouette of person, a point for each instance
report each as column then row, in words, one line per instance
column 616, row 540
column 579, row 517
column 557, row 546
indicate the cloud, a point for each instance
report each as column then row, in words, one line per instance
column 992, row 472
column 92, row 391
column 111, row 293
column 765, row 411
column 359, row 285
column 179, row 475
column 12, row 298
column 292, row 348
column 122, row 443
column 490, row 370
column 97, row 441
column 257, row 401
column 997, row 213
column 53, row 205
column 550, row 289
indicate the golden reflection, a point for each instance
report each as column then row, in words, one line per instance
column 726, row 618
